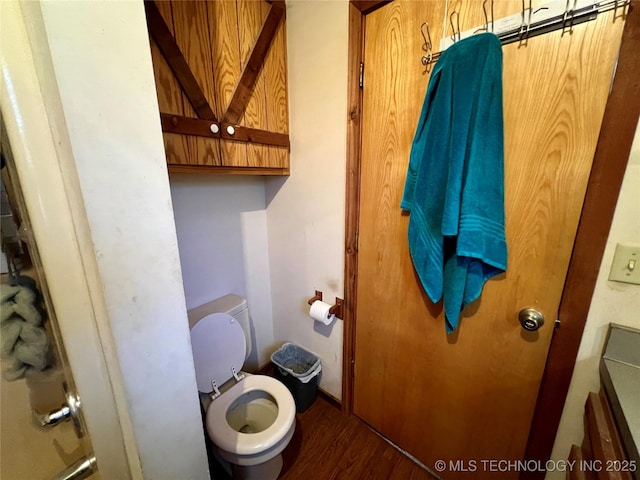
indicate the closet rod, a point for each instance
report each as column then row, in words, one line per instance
column 525, row 30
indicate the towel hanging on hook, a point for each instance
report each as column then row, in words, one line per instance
column 454, row 183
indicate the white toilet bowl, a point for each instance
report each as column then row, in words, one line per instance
column 251, row 418
column 250, row 424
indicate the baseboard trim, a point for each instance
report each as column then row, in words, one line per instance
column 330, row 399
column 266, row 369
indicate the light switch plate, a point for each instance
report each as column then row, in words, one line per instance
column 626, row 264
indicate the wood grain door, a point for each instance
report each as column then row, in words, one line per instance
column 470, row 395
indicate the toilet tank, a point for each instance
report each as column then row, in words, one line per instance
column 231, row 304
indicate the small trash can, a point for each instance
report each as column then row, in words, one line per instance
column 299, row 370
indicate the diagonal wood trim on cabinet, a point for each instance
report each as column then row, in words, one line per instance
column 249, row 76
column 175, row 59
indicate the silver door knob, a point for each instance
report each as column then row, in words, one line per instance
column 54, row 416
column 83, row 468
column 68, row 410
column 530, row 319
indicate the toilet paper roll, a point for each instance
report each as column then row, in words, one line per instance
column 320, row 312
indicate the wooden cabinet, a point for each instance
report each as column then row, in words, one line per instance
column 601, row 455
column 221, row 79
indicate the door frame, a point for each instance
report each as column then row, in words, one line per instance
column 608, row 169
column 36, row 130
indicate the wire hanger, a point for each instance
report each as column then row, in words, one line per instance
column 427, row 47
column 455, row 28
column 569, row 12
column 523, row 35
column 486, row 18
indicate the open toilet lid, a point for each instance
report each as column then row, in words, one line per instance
column 218, row 344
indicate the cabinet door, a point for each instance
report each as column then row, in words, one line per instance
column 221, row 63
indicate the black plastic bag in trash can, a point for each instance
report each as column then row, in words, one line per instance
column 299, row 370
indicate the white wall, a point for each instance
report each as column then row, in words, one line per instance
column 612, row 302
column 306, row 211
column 221, row 224
column 101, row 56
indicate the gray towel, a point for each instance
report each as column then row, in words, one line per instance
column 22, row 336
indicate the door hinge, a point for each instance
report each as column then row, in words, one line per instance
column 355, row 241
column 361, row 75
column 557, row 323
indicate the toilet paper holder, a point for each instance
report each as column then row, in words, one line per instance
column 335, row 309
column 317, row 296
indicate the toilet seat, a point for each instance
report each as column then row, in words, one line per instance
column 240, row 443
column 219, row 347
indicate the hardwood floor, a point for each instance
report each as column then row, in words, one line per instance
column 330, row 446
column 327, row 445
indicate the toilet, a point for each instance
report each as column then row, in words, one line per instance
column 250, row 419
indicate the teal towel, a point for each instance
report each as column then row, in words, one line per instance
column 455, row 182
